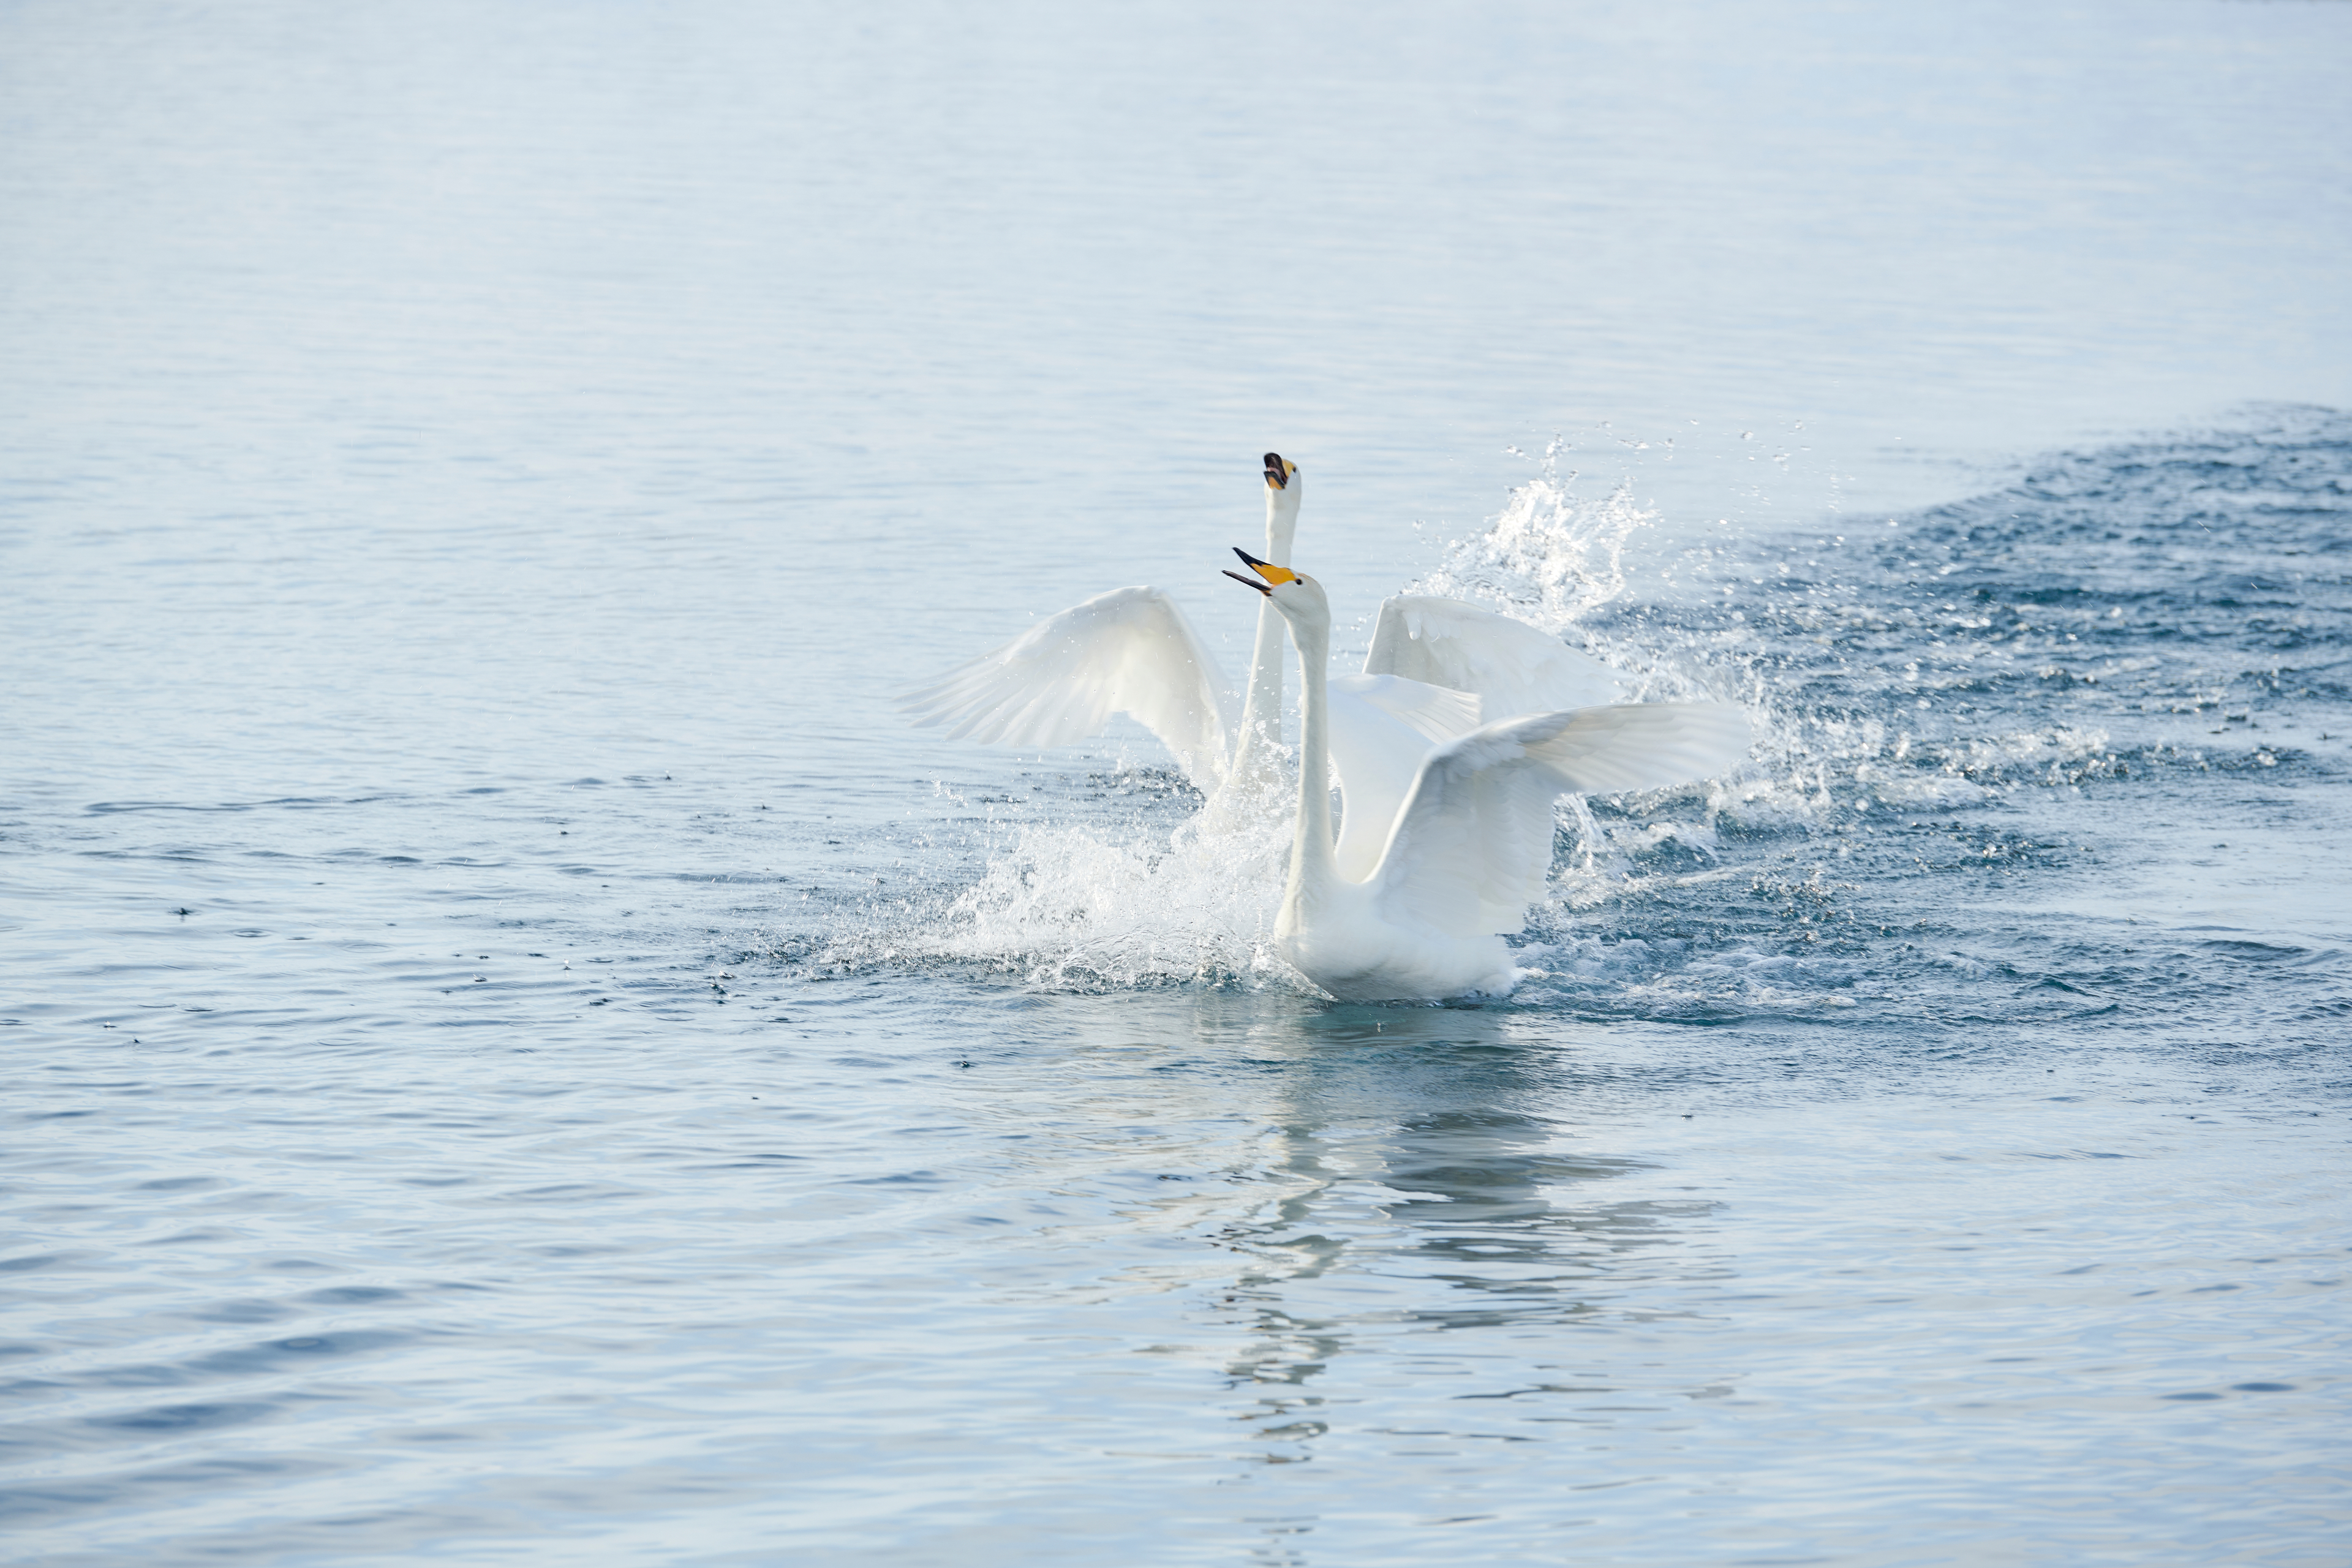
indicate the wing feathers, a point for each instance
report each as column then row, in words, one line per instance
column 1128, row 651
column 1645, row 745
column 1436, row 713
column 1471, row 846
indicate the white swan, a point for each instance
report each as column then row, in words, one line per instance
column 1468, row 848
column 1132, row 651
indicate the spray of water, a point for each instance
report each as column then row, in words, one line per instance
column 1091, row 905
column 1549, row 559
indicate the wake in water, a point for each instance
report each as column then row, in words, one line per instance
column 1959, row 713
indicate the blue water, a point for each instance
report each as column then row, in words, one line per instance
column 514, row 1053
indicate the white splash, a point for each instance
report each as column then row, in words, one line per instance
column 1551, row 558
column 1118, row 906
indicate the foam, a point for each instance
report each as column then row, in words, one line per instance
column 1106, row 905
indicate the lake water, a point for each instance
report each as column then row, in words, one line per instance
column 515, row 1053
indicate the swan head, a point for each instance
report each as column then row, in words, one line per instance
column 1299, row 597
column 1283, row 486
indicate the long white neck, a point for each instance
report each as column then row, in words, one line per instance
column 1312, row 869
column 1262, row 709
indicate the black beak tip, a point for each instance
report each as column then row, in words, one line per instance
column 1249, row 560
column 1277, row 473
column 1248, row 583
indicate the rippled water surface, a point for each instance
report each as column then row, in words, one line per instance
column 514, row 1053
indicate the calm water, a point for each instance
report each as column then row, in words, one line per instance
column 512, row 1053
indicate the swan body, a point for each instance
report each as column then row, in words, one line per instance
column 1468, row 848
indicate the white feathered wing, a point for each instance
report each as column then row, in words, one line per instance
column 1382, row 727
column 1471, row 848
column 1128, row 651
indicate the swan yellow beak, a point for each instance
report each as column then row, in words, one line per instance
column 1275, row 576
column 1279, row 471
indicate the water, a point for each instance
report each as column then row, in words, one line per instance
column 512, row 1052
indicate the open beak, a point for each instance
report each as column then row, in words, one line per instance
column 1278, row 472
column 1275, row 576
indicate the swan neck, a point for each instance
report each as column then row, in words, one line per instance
column 1261, row 706
column 1313, row 867
column 1281, row 528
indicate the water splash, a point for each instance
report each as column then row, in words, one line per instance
column 1154, row 892
column 1551, row 558
column 1083, row 906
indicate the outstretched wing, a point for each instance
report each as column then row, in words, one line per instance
column 1128, row 651
column 1382, row 727
column 1511, row 667
column 1471, row 847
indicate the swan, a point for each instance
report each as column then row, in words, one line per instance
column 1468, row 849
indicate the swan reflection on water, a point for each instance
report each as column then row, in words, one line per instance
column 1428, row 1179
